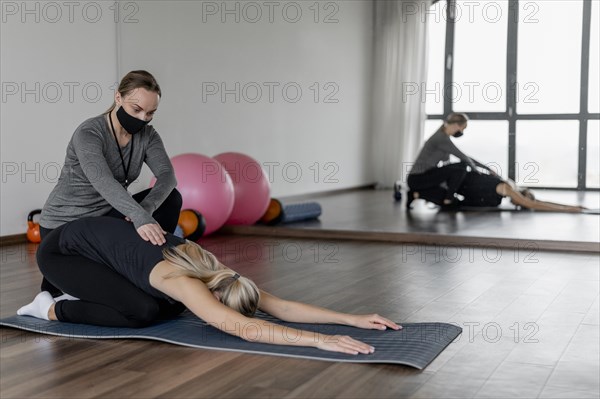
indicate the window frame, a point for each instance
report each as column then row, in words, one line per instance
column 511, row 114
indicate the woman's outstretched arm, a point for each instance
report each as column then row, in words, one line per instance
column 303, row 313
column 506, row 190
column 194, row 294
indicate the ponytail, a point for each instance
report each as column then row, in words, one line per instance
column 135, row 80
column 239, row 293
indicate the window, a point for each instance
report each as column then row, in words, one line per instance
column 480, row 59
column 594, row 73
column 481, row 141
column 547, row 153
column 431, row 126
column 593, row 154
column 436, row 32
column 527, row 74
column 549, row 58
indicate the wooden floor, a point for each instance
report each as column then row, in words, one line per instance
column 530, row 320
column 373, row 215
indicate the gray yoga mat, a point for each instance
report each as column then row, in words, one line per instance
column 488, row 209
column 511, row 209
column 592, row 211
column 416, row 345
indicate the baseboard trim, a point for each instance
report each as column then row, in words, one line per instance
column 13, row 239
column 403, row 238
column 326, row 193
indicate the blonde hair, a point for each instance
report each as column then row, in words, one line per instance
column 239, row 293
column 134, row 80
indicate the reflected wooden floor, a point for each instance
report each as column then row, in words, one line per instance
column 530, row 324
column 370, row 214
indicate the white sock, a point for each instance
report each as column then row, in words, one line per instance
column 65, row 297
column 39, row 307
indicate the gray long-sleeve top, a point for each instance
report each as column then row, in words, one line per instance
column 90, row 180
column 438, row 148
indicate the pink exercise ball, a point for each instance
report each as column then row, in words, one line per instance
column 205, row 187
column 251, row 187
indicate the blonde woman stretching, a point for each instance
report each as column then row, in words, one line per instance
column 113, row 277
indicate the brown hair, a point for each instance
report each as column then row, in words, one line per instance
column 135, row 80
column 456, row 117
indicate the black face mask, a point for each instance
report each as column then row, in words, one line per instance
column 458, row 134
column 131, row 124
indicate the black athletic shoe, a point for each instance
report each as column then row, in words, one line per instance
column 452, row 206
column 410, row 197
column 397, row 191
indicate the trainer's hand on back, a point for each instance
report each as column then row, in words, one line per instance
column 343, row 344
column 373, row 322
column 152, row 232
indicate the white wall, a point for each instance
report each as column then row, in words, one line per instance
column 188, row 48
column 48, row 55
column 172, row 40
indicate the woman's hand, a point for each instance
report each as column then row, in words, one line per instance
column 373, row 322
column 152, row 232
column 344, row 344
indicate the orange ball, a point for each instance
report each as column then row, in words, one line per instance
column 274, row 212
column 192, row 223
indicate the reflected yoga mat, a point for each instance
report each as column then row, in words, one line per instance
column 416, row 345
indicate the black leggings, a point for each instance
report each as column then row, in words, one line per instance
column 453, row 174
column 106, row 298
column 166, row 215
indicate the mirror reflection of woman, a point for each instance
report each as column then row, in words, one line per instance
column 432, row 167
column 475, row 182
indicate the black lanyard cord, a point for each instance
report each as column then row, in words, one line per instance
column 121, row 153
